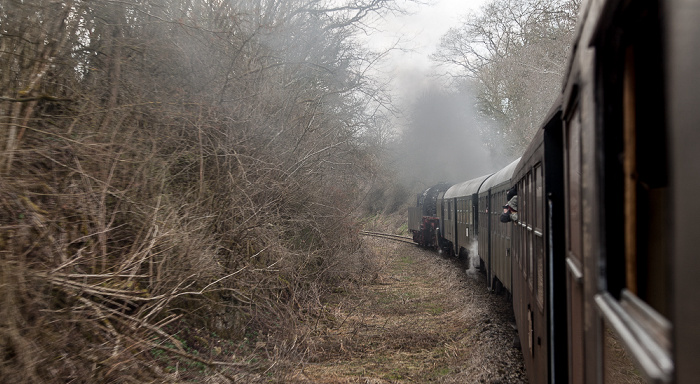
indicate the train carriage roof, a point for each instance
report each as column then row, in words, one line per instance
column 466, row 188
column 504, row 175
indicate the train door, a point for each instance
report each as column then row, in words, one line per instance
column 439, row 211
column 449, row 222
column 574, row 247
column 555, row 258
column 473, row 217
column 494, row 227
column 484, row 236
column 540, row 337
column 455, row 225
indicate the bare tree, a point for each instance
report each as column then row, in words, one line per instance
column 512, row 54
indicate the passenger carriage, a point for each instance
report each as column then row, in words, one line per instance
column 495, row 236
column 459, row 215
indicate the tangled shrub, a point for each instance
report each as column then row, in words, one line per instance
column 169, row 169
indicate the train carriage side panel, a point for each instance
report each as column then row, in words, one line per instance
column 538, row 262
column 683, row 100
column 618, row 119
column 528, row 276
column 442, row 244
column 555, row 248
column 495, row 241
column 484, row 235
column 461, row 221
column 448, row 223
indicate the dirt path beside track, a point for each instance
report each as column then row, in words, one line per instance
column 423, row 319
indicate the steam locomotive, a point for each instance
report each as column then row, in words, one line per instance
column 600, row 257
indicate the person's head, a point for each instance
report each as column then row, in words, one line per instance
column 505, row 217
column 512, row 192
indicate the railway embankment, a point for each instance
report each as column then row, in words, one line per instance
column 422, row 318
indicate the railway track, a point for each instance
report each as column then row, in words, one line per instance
column 403, row 239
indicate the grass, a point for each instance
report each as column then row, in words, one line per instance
column 419, row 321
column 398, row 328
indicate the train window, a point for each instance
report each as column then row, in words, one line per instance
column 463, row 211
column 632, row 115
column 533, row 201
column 460, row 214
column 573, row 142
column 458, row 208
column 636, row 170
column 467, row 214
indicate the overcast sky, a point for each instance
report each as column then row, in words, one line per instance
column 419, row 33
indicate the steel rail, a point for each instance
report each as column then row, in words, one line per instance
column 404, row 239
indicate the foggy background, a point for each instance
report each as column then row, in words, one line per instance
column 467, row 105
column 442, row 141
column 438, row 136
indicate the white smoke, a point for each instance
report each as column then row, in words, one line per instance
column 473, row 261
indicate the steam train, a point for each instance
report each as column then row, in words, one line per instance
column 600, row 260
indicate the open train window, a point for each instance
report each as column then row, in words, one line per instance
column 631, row 121
column 636, row 171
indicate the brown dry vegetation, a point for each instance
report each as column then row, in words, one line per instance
column 421, row 319
column 177, row 184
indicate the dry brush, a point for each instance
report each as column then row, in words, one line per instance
column 172, row 166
